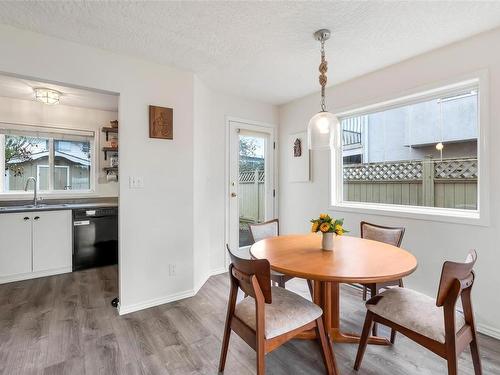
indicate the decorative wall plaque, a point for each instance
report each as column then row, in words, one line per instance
column 161, row 122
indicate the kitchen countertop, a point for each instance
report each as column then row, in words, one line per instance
column 53, row 205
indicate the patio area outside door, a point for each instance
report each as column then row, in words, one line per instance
column 251, row 181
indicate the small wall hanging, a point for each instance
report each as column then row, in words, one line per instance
column 161, row 122
column 298, row 157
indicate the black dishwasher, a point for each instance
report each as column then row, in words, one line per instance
column 95, row 237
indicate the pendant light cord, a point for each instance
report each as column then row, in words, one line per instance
column 323, row 68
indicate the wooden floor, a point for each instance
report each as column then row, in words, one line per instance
column 65, row 325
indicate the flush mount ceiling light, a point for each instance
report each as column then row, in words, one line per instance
column 323, row 126
column 47, row 96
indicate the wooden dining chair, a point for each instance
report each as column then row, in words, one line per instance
column 269, row 316
column 269, row 229
column 432, row 323
column 392, row 236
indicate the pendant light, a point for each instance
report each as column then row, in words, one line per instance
column 323, row 126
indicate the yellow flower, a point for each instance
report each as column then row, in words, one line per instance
column 323, row 216
column 325, row 227
column 314, row 227
column 339, row 229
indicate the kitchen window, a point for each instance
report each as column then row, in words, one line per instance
column 61, row 160
column 418, row 154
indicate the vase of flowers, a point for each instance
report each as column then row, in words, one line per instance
column 330, row 228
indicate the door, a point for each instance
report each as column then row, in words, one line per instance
column 15, row 249
column 251, row 181
column 51, row 240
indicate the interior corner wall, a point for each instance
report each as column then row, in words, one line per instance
column 154, row 222
column 211, row 112
column 431, row 242
column 19, row 111
column 201, row 177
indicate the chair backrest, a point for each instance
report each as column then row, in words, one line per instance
column 242, row 270
column 390, row 235
column 462, row 272
column 261, row 231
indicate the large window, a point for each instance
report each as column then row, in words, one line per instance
column 60, row 161
column 417, row 152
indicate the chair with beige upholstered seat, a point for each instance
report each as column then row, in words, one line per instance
column 269, row 229
column 392, row 236
column 433, row 323
column 269, row 316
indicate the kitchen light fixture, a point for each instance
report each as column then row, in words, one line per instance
column 323, row 126
column 46, row 96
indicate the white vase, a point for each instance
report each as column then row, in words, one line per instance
column 327, row 243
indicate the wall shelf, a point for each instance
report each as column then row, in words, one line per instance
column 108, row 149
column 109, row 129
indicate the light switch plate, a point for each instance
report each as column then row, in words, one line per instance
column 135, row 182
column 139, row 182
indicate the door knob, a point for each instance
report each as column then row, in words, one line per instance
column 37, row 217
column 26, row 218
column 233, row 195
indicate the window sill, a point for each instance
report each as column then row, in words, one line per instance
column 445, row 215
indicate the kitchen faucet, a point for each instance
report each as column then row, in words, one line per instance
column 35, row 198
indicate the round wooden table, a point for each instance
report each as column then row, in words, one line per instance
column 354, row 260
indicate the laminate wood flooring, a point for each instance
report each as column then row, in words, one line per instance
column 65, row 324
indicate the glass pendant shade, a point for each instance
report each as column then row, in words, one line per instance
column 322, row 131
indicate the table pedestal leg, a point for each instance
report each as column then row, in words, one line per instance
column 327, row 295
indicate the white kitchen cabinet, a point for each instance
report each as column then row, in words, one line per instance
column 35, row 244
column 51, row 240
column 15, row 244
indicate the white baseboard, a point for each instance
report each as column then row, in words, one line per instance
column 171, row 298
column 488, row 330
column 127, row 309
column 34, row 275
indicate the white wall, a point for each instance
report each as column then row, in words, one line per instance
column 20, row 111
column 211, row 111
column 182, row 202
column 155, row 221
column 431, row 242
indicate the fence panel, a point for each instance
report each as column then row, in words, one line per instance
column 251, row 196
column 449, row 183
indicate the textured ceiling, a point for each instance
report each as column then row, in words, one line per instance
column 20, row 88
column 261, row 50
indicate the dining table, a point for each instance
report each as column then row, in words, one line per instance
column 353, row 261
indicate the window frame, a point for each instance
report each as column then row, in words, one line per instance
column 57, row 131
column 481, row 216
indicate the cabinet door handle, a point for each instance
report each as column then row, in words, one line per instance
column 26, row 218
column 36, row 217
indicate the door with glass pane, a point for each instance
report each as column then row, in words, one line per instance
column 251, row 181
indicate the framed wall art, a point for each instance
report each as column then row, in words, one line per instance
column 161, row 122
